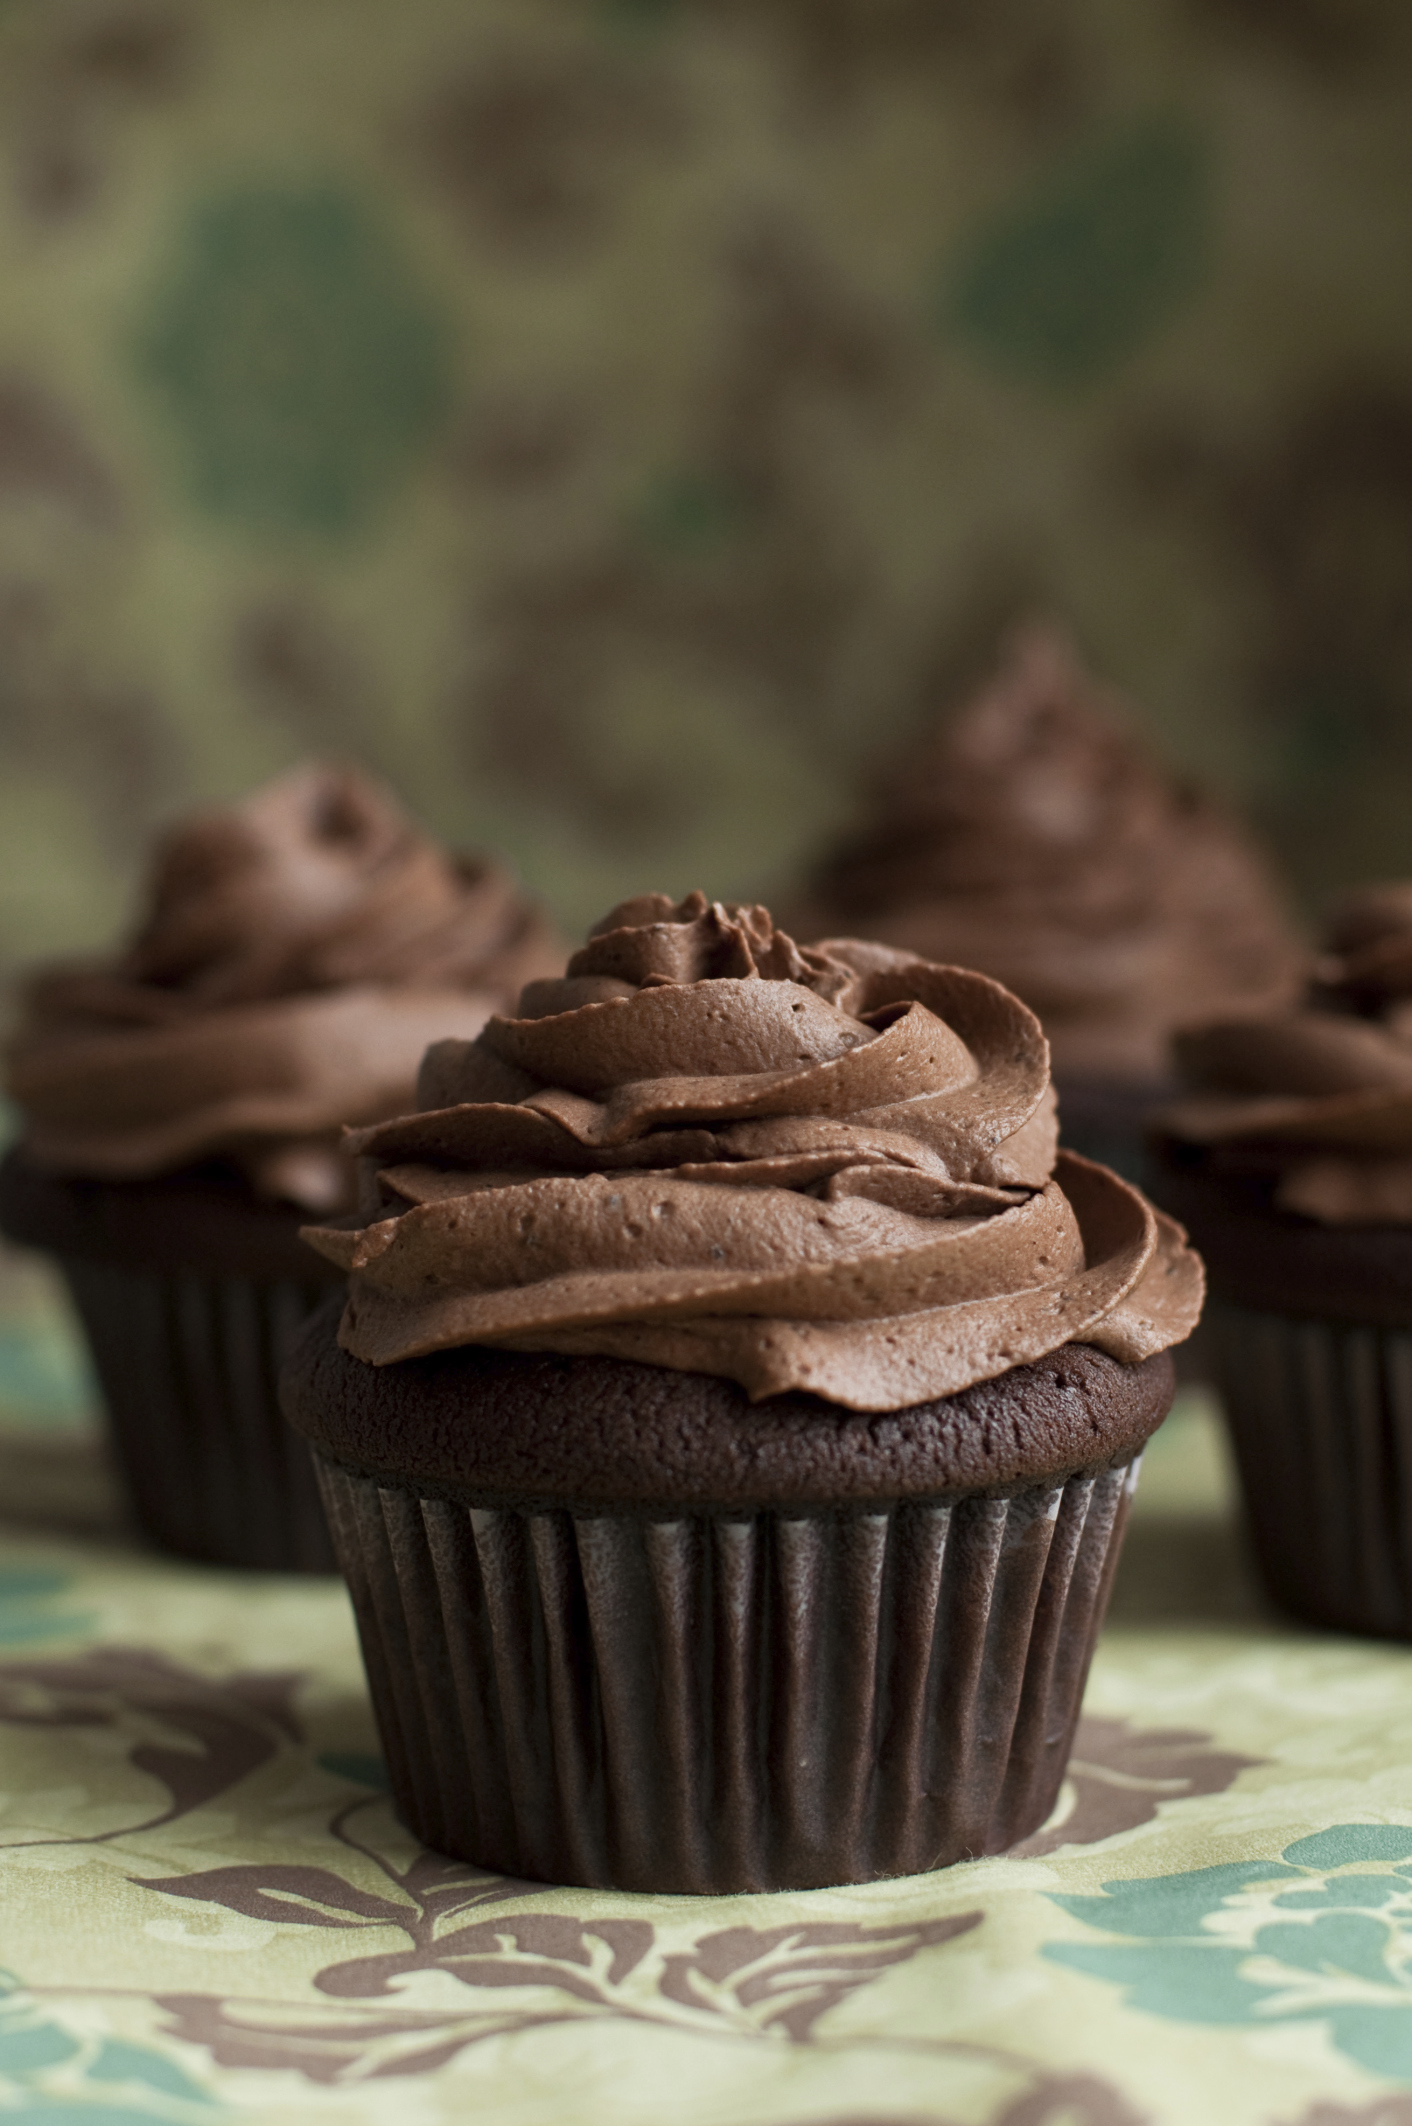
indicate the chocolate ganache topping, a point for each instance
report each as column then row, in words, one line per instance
column 708, row 1149
column 1032, row 839
column 1319, row 1096
column 299, row 952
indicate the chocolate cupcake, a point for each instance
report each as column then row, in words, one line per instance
column 729, row 1431
column 182, row 1108
column 1033, row 839
column 1291, row 1161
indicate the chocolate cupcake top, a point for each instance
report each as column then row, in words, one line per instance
column 1033, row 839
column 705, row 1148
column 298, row 952
column 1319, row 1097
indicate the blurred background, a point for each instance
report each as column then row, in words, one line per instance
column 618, row 421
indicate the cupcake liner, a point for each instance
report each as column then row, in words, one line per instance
column 709, row 1702
column 1321, row 1416
column 188, row 1366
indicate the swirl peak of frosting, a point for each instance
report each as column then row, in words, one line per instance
column 705, row 1147
column 1031, row 837
column 297, row 953
column 1319, row 1096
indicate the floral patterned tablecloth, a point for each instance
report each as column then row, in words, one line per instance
column 208, row 1910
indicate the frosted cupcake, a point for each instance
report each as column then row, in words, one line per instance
column 728, row 1434
column 1291, row 1160
column 183, row 1102
column 1032, row 838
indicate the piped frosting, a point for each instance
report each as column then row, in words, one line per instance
column 1319, row 1096
column 1033, row 839
column 707, row 1148
column 298, row 952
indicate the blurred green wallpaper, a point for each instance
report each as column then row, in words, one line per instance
column 616, row 421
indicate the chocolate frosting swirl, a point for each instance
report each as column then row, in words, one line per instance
column 1032, row 839
column 709, row 1149
column 298, row 953
column 1320, row 1096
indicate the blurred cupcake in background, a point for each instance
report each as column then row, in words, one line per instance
column 1031, row 837
column 182, row 1103
column 1290, row 1159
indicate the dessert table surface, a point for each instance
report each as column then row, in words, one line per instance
column 209, row 1912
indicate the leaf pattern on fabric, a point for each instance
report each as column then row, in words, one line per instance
column 1322, row 1935
column 1383, row 2111
column 222, row 1730
column 330, row 2048
column 301, row 367
column 787, row 1977
column 50, row 2071
column 519, row 1964
column 311, row 1897
column 1050, row 2100
column 1119, row 1776
column 1064, row 286
column 1070, row 2100
column 543, row 1966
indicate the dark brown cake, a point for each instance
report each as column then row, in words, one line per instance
column 538, row 1431
column 721, row 1629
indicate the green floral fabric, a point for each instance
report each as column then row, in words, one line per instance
column 621, row 421
column 210, row 1910
column 300, row 369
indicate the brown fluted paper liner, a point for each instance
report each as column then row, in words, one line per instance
column 727, row 1702
column 188, row 1366
column 1321, row 1417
